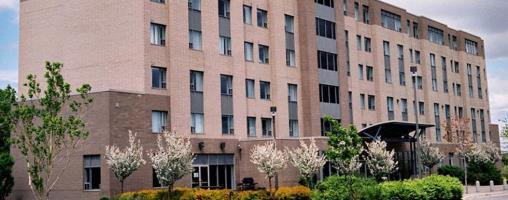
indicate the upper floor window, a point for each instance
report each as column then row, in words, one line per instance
column 264, row 54
column 344, row 7
column 264, row 90
column 359, row 42
column 327, row 60
column 195, row 5
column 195, row 40
column 435, row 35
column 371, row 102
column 292, row 93
column 417, row 57
column 262, row 18
column 390, row 21
column 368, row 45
column 159, row 121
column 197, row 123
column 328, row 3
column 290, row 58
column 366, row 17
column 224, row 8
column 357, row 14
column 325, row 28
column 266, row 127
column 158, row 1
column 158, row 77
column 471, row 47
column 416, row 30
column 158, row 34
column 225, row 45
column 290, row 24
column 247, row 14
column 293, row 128
column 227, row 125
column 251, row 126
column 196, row 81
column 92, row 172
column 248, row 50
column 370, row 73
column 249, row 88
column 328, row 94
column 226, row 85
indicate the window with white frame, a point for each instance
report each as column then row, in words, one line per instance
column 264, row 90
column 225, row 45
column 371, row 102
column 158, row 34
column 195, row 40
column 158, row 77
column 196, row 81
column 249, row 88
column 266, row 127
column 247, row 14
column 391, row 21
column 224, row 9
column 197, row 123
column 262, row 18
column 264, row 54
column 292, row 93
column 293, row 128
column 227, row 125
column 435, row 35
column 290, row 58
column 251, row 126
column 248, row 50
column 325, row 28
column 368, row 45
column 289, row 23
column 195, row 5
column 360, row 72
column 226, row 85
column 159, row 121
column 362, row 101
column 471, row 47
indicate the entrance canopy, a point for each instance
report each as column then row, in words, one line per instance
column 393, row 131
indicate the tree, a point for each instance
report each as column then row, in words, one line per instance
column 49, row 128
column 268, row 160
column 457, row 132
column 344, row 149
column 429, row 155
column 172, row 159
column 483, row 152
column 307, row 160
column 7, row 102
column 504, row 128
column 379, row 160
column 124, row 163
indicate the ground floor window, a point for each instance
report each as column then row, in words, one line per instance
column 92, row 172
column 213, row 171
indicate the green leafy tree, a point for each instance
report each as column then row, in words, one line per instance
column 344, row 149
column 7, row 101
column 49, row 128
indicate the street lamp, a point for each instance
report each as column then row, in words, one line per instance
column 273, row 110
column 414, row 74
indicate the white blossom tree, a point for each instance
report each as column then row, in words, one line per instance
column 429, row 155
column 172, row 160
column 124, row 163
column 380, row 161
column 483, row 152
column 307, row 160
column 268, row 160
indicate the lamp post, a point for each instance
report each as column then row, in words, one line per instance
column 414, row 74
column 273, row 110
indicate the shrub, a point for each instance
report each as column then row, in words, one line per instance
column 431, row 187
column 504, row 172
column 483, row 172
column 452, row 171
column 252, row 195
column 162, row 194
column 337, row 187
column 293, row 193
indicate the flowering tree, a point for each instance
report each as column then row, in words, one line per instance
column 379, row 160
column 172, row 160
column 268, row 160
column 307, row 160
column 124, row 163
column 429, row 155
column 457, row 132
column 483, row 152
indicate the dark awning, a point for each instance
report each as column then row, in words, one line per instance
column 392, row 130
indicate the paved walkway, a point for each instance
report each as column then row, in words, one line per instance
column 484, row 192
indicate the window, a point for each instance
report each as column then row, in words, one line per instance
column 433, row 71
column 247, row 14
column 195, row 40
column 249, row 88
column 448, row 113
column 346, row 43
column 455, row 45
column 159, row 121
column 225, row 45
column 227, row 125
column 290, row 58
column 196, row 81
column 420, row 82
column 158, row 1
column 195, row 5
column 400, row 59
column 359, row 42
column 390, row 21
column 262, row 18
column 325, row 28
column 248, row 49
column 292, row 93
column 457, row 67
column 473, row 125
column 327, row 60
column 408, row 27
column 437, row 122
column 403, row 108
column 388, row 69
column 416, row 31
column 411, row 58
column 344, row 6
column 471, row 47
column 290, row 24
column 264, row 54
column 362, row 101
column 482, row 125
column 251, row 126
column 360, row 72
column 368, row 45
column 479, row 82
column 328, row 3
column 371, row 101
column 224, row 9
column 197, row 123
column 366, row 17
column 389, row 106
column 421, row 108
column 357, row 15
column 92, row 172
column 293, row 128
column 328, row 94
column 158, row 34
column 470, row 80
column 158, row 77
column 445, row 74
column 370, row 73
column 417, row 57
column 326, row 127
column 264, row 90
column 435, row 35
column 226, row 85
column 266, row 127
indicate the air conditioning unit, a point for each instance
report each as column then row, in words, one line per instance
column 265, row 24
column 193, row 129
column 230, row 91
column 228, row 13
column 231, row 131
column 191, row 45
column 163, row 42
column 269, row 133
column 267, row 60
column 229, row 52
column 268, row 96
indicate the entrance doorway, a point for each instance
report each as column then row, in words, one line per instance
column 213, row 171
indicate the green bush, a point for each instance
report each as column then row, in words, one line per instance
column 293, row 193
column 431, row 187
column 337, row 187
column 504, row 172
column 252, row 195
column 483, row 172
column 452, row 171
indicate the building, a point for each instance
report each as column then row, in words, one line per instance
column 211, row 70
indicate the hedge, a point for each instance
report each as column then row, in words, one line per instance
column 284, row 193
column 431, row 187
column 451, row 170
column 338, row 188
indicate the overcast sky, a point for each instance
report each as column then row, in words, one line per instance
column 484, row 18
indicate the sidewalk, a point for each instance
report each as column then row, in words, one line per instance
column 483, row 191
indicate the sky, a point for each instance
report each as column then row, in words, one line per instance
column 484, row 18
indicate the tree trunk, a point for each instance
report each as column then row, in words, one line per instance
column 121, row 187
column 170, row 189
column 270, row 187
